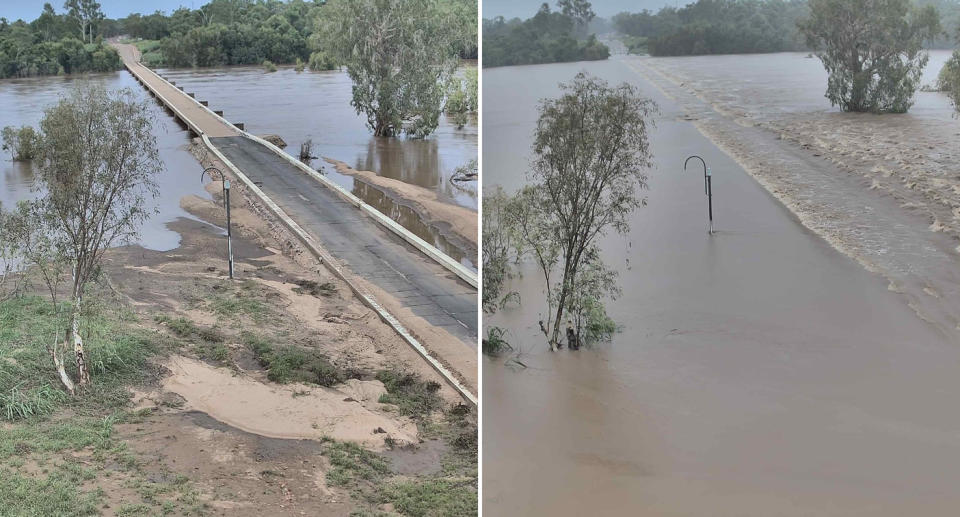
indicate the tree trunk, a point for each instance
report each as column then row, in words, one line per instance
column 83, row 373
column 64, row 377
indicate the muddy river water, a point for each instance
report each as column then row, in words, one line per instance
column 759, row 371
column 22, row 102
column 296, row 106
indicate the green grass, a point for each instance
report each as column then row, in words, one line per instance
column 116, row 351
column 293, row 364
column 352, row 464
column 52, row 494
column 429, row 497
column 410, row 393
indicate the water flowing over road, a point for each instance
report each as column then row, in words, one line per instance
column 759, row 371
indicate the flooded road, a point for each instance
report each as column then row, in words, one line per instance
column 22, row 102
column 759, row 371
column 316, row 105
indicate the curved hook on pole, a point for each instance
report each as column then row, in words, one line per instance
column 222, row 179
column 705, row 173
column 707, row 187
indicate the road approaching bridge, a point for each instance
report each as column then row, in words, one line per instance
column 430, row 302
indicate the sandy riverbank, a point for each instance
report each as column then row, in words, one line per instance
column 456, row 223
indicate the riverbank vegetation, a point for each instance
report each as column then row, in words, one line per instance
column 248, row 32
column 590, row 153
column 399, row 55
column 547, row 37
column 56, row 44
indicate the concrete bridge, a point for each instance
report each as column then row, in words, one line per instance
column 407, row 281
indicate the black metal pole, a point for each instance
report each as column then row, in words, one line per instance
column 707, row 186
column 226, row 184
column 709, row 198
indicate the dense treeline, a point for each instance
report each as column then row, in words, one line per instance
column 55, row 43
column 548, row 37
column 716, row 27
column 740, row 27
column 238, row 32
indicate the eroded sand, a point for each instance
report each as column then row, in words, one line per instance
column 292, row 411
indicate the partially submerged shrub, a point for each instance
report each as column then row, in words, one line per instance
column 22, row 143
column 494, row 344
column 320, row 60
column 269, row 66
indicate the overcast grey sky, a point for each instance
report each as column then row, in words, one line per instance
column 604, row 8
column 30, row 9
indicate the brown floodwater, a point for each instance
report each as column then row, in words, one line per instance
column 758, row 371
column 22, row 102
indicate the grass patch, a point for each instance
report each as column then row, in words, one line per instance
column 410, row 393
column 422, row 498
column 352, row 464
column 52, row 494
column 315, row 288
column 293, row 364
column 117, row 354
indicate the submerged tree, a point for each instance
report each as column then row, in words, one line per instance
column 871, row 49
column 21, row 143
column 399, row 54
column 97, row 159
column 591, row 149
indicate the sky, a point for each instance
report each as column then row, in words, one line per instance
column 604, row 8
column 29, row 9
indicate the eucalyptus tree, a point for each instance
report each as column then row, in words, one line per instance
column 97, row 161
column 590, row 153
column 872, row 50
column 87, row 13
column 399, row 55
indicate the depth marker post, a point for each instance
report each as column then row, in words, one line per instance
column 226, row 203
column 707, row 186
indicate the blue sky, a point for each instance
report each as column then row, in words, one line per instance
column 30, row 9
column 604, row 8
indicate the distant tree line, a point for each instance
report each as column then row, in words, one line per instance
column 66, row 43
column 241, row 32
column 716, row 27
column 742, row 27
column 548, row 37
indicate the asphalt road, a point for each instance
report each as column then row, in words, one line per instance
column 359, row 243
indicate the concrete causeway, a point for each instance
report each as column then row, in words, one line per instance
column 421, row 288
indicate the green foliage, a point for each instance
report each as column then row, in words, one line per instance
column 398, row 54
column 321, row 61
column 410, row 393
column 494, row 344
column 269, row 66
column 590, row 149
column 948, row 81
column 299, row 66
column 715, row 27
column 429, row 497
column 352, row 463
column 548, row 37
column 462, row 97
column 21, row 143
column 117, row 354
column 876, row 68
column 497, row 244
column 293, row 364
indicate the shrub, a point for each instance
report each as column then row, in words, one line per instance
column 269, row 66
column 321, row 61
column 22, row 143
